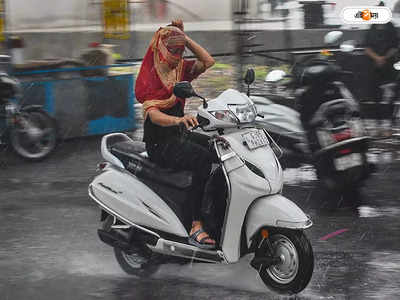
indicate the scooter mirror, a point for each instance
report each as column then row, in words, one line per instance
column 184, row 90
column 348, row 46
column 249, row 77
column 332, row 37
column 396, row 66
column 275, row 76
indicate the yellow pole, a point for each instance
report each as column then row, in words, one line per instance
column 2, row 20
column 116, row 17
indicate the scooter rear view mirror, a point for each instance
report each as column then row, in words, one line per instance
column 249, row 77
column 185, row 90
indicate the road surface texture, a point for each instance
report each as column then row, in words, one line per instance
column 50, row 249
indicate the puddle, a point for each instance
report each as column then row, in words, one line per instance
column 297, row 176
column 376, row 212
column 306, row 173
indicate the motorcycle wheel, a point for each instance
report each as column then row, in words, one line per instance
column 34, row 150
column 139, row 261
column 295, row 270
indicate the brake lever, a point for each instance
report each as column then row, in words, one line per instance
column 194, row 128
column 184, row 131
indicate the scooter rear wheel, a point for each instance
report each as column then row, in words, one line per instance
column 295, row 270
column 138, row 261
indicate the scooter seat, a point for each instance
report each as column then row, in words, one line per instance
column 129, row 153
column 346, row 108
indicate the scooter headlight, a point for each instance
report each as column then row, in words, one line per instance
column 225, row 116
column 245, row 113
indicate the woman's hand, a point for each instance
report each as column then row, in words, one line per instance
column 178, row 23
column 188, row 120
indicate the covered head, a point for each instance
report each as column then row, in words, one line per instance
column 162, row 67
column 170, row 45
column 166, row 50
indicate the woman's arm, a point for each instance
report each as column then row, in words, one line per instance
column 158, row 117
column 202, row 55
column 204, row 59
column 379, row 60
column 371, row 53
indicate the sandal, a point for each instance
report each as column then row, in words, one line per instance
column 200, row 244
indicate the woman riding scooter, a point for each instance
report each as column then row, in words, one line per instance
column 163, row 66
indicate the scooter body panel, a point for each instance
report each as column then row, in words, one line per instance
column 247, row 187
column 122, row 192
column 274, row 211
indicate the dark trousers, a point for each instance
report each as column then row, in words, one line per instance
column 380, row 76
column 189, row 153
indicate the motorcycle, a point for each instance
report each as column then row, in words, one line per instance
column 29, row 130
column 326, row 130
column 284, row 125
column 145, row 219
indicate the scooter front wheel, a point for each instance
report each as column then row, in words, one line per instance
column 294, row 271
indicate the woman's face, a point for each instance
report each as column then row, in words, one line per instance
column 172, row 56
column 172, row 47
column 176, row 51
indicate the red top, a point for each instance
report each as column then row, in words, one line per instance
column 154, row 87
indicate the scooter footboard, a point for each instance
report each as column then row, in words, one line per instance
column 274, row 211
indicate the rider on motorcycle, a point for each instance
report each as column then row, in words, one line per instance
column 316, row 77
column 163, row 66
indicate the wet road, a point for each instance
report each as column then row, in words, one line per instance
column 50, row 250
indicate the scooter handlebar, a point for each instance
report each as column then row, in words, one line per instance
column 201, row 122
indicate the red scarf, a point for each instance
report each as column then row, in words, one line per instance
column 157, row 75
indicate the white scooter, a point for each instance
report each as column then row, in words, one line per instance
column 144, row 212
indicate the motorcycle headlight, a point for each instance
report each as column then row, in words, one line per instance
column 225, row 116
column 244, row 113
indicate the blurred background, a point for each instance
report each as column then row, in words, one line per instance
column 79, row 60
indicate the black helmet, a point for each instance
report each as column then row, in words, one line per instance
column 9, row 87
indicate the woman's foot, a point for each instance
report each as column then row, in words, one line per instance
column 200, row 238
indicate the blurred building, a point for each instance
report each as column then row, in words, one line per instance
column 38, row 14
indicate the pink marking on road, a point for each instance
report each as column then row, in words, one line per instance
column 328, row 236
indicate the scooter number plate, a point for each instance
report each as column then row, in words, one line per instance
column 255, row 139
column 348, row 161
